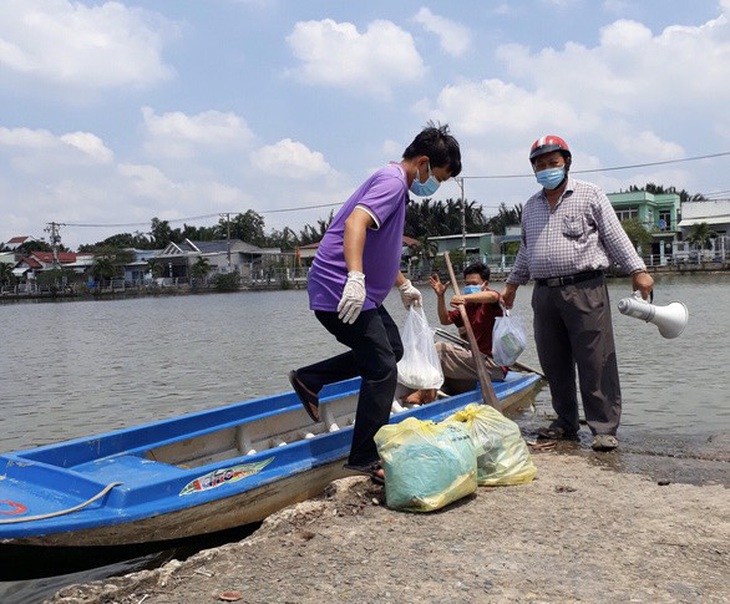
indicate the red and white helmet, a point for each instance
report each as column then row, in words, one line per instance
column 548, row 144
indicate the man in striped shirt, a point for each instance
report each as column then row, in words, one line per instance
column 570, row 237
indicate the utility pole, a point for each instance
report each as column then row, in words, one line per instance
column 53, row 229
column 228, row 238
column 460, row 182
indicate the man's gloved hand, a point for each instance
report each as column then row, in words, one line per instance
column 353, row 297
column 409, row 294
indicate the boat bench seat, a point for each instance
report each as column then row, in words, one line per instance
column 129, row 469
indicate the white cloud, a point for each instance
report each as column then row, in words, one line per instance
column 632, row 71
column 493, row 106
column 178, row 135
column 454, row 38
column 371, row 63
column 103, row 46
column 34, row 150
column 290, row 159
column 89, row 144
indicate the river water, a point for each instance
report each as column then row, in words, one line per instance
column 71, row 369
column 74, row 368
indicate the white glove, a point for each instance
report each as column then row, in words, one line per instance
column 409, row 294
column 353, row 297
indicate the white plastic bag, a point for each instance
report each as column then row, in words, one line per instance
column 508, row 339
column 420, row 366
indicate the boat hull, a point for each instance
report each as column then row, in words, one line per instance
column 194, row 475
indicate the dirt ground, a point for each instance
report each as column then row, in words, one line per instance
column 580, row 532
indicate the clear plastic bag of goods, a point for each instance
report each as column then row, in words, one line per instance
column 420, row 367
column 508, row 339
column 427, row 465
column 502, row 454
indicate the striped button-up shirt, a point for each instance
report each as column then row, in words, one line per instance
column 581, row 233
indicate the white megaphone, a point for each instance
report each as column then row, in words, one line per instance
column 670, row 319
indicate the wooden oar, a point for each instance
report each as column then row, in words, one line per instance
column 485, row 382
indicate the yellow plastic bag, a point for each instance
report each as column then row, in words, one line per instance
column 502, row 454
column 427, row 465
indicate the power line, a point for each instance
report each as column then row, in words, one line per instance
column 479, row 177
column 190, row 218
column 611, row 169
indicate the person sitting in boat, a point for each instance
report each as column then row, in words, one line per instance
column 482, row 308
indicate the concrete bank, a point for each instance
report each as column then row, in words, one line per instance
column 580, row 532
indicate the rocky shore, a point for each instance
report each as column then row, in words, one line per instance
column 580, row 532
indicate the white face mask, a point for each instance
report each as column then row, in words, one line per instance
column 425, row 189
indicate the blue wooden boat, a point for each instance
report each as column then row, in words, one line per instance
column 195, row 474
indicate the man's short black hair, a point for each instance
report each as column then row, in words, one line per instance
column 441, row 148
column 478, row 268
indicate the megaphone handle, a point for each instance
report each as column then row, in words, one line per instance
column 637, row 295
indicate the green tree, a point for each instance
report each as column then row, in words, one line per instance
column 198, row 233
column 6, row 273
column 156, row 267
column 650, row 187
column 103, row 268
column 227, row 282
column 163, row 234
column 29, row 247
column 312, row 234
column 285, row 239
column 200, row 269
column 505, row 218
column 700, row 235
column 248, row 227
column 638, row 235
column 122, row 240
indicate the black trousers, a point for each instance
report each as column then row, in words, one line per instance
column 376, row 348
column 573, row 328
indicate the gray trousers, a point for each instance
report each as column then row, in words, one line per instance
column 573, row 328
column 460, row 370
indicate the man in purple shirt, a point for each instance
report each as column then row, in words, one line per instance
column 570, row 236
column 356, row 266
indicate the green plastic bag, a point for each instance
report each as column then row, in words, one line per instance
column 427, row 465
column 502, row 454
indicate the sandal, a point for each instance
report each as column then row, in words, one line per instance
column 556, row 433
column 373, row 470
column 309, row 400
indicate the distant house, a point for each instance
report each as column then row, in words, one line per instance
column 658, row 213
column 15, row 242
column 306, row 253
column 138, row 270
column 29, row 266
column 716, row 214
column 484, row 245
column 224, row 256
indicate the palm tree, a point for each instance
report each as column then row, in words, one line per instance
column 155, row 267
column 199, row 271
column 103, row 268
column 6, row 273
column 699, row 236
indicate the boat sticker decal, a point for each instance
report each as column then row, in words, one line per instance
column 217, row 478
column 15, row 508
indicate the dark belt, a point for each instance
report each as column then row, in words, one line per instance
column 569, row 279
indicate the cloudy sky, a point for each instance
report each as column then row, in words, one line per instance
column 112, row 113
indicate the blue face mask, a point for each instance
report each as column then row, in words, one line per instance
column 425, row 189
column 471, row 289
column 550, row 178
